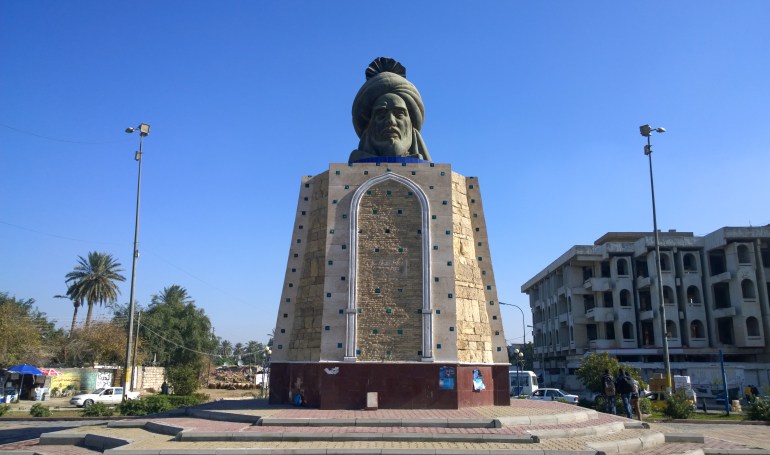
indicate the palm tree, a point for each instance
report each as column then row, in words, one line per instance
column 172, row 295
column 93, row 281
column 77, row 303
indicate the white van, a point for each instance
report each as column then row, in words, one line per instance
column 522, row 382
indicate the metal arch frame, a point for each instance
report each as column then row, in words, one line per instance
column 351, row 331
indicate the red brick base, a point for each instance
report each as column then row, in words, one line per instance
column 399, row 385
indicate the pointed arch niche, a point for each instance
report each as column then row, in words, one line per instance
column 389, row 314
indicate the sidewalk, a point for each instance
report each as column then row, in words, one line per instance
column 527, row 426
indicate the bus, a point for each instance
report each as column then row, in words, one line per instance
column 522, row 382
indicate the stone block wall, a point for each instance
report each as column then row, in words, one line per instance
column 433, row 269
column 389, row 275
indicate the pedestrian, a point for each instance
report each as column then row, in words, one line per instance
column 164, row 388
column 608, row 390
column 635, row 399
column 624, row 387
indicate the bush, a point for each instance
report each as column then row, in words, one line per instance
column 38, row 410
column 678, row 406
column 183, row 379
column 97, row 410
column 759, row 409
column 154, row 404
column 4, row 408
column 131, row 408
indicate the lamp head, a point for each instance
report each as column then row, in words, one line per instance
column 646, row 130
column 144, row 129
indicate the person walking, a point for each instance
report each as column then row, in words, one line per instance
column 608, row 391
column 624, row 386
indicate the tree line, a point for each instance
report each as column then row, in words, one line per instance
column 171, row 331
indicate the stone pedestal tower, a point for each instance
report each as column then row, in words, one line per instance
column 389, row 285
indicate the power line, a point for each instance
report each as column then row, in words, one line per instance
column 68, row 141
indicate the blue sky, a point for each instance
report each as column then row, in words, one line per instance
column 540, row 100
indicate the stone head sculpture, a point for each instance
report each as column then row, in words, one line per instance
column 388, row 114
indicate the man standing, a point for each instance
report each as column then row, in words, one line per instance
column 608, row 384
column 624, row 387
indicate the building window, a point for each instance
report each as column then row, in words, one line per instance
column 671, row 330
column 747, row 288
column 752, row 327
column 668, row 295
column 625, row 298
column 744, row 257
column 622, row 267
column 665, row 262
column 697, row 330
column 693, row 294
column 689, row 263
column 628, row 331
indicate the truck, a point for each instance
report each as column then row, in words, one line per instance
column 106, row 395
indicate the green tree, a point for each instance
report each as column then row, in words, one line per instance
column 93, row 280
column 529, row 356
column 177, row 333
column 24, row 332
column 100, row 343
column 592, row 369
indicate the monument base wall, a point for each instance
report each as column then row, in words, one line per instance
column 399, row 385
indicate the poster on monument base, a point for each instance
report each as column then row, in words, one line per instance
column 446, row 380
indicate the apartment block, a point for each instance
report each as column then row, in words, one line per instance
column 604, row 298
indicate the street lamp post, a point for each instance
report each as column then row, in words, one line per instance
column 518, row 355
column 266, row 373
column 523, row 324
column 128, row 380
column 646, row 131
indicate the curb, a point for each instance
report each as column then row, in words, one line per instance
column 91, row 441
column 223, row 416
column 432, row 423
column 629, row 445
column 551, row 419
column 209, row 436
column 340, row 451
column 586, row 431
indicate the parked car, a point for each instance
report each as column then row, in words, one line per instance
column 106, row 395
column 554, row 395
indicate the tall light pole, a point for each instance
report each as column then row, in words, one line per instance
column 128, row 380
column 523, row 324
column 646, row 131
column 519, row 356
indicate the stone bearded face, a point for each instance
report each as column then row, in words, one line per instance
column 391, row 128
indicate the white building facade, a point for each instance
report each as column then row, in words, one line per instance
column 604, row 298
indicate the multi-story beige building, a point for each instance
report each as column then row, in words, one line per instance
column 604, row 298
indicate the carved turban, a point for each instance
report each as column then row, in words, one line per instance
column 379, row 85
column 385, row 75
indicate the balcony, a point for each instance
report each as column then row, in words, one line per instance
column 724, row 312
column 645, row 315
column 602, row 344
column 597, row 284
column 721, row 278
column 602, row 314
column 643, row 282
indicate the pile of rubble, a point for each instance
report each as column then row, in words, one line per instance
column 235, row 378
